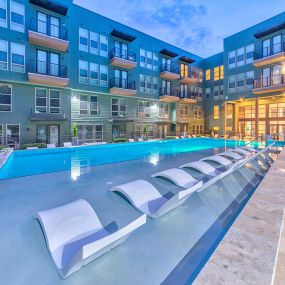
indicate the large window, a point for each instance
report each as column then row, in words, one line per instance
column 89, row 105
column 17, row 16
column 208, row 74
column 261, row 111
column 184, row 70
column 83, row 71
column 94, row 43
column 197, row 112
column 147, row 109
column 183, row 111
column 247, row 112
column 94, row 73
column 3, row 54
column 3, row 13
column 103, row 45
column 148, row 84
column 103, row 75
column 41, row 100
column 12, row 135
column 90, row 133
column 17, row 57
column 207, row 93
column 83, row 39
column 277, row 110
column 119, row 107
column 54, row 101
column 5, row 98
column 229, row 111
column 163, row 110
column 216, row 112
column 148, row 60
column 241, row 56
column 197, row 129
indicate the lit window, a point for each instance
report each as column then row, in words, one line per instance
column 221, row 72
column 216, row 112
column 216, row 73
column 183, row 70
column 229, row 111
column 216, row 128
column 208, row 74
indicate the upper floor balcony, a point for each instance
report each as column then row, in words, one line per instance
column 169, row 71
column 48, row 35
column 169, row 95
column 269, row 55
column 121, row 86
column 46, row 73
column 265, row 85
column 123, row 58
column 188, row 97
column 189, row 78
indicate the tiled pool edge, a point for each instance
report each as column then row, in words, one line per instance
column 247, row 254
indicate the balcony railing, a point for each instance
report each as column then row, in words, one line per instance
column 164, row 91
column 48, row 29
column 189, row 95
column 169, row 68
column 123, row 54
column 265, row 82
column 47, row 68
column 122, row 83
column 269, row 51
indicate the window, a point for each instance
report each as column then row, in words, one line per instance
column 17, row 57
column 83, row 71
column 103, row 45
column 266, row 48
column 216, row 92
column 232, row 59
column 197, row 129
column 3, row 13
column 163, row 110
column 149, row 60
column 207, row 93
column 277, row 110
column 93, row 106
column 142, row 83
column 232, row 83
column 197, row 112
column 103, row 75
column 88, row 105
column 247, row 112
column 221, row 72
column 5, row 98
column 83, row 105
column 1, row 135
column 249, row 79
column 249, row 49
column 221, row 91
column 3, row 54
column 208, row 74
column 90, row 133
column 216, row 73
column 119, row 107
column 94, row 43
column 142, row 58
column 148, row 84
column 216, row 112
column 83, row 39
column 261, row 111
column 276, row 44
column 155, row 62
column 229, row 111
column 240, row 56
column 93, row 75
column 12, row 135
column 144, row 110
column 183, row 111
column 240, row 80
column 54, row 101
column 41, row 100
column 17, row 17
column 155, row 85
column 184, row 70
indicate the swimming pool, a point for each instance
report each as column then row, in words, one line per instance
column 32, row 162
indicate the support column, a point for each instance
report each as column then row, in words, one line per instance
column 256, row 117
column 225, row 119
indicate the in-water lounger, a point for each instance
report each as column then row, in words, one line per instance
column 202, row 167
column 231, row 154
column 249, row 148
column 179, row 177
column 75, row 235
column 147, row 199
column 218, row 159
column 241, row 151
column 268, row 157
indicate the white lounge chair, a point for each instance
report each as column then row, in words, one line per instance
column 51, row 145
column 131, row 140
column 231, row 154
column 147, row 199
column 202, row 167
column 140, row 140
column 75, row 235
column 249, row 148
column 241, row 151
column 67, row 144
column 218, row 159
column 180, row 178
column 32, row 148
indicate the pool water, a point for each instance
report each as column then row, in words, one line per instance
column 31, row 162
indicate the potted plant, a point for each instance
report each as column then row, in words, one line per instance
column 74, row 134
column 145, row 129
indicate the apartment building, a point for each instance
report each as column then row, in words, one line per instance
column 61, row 64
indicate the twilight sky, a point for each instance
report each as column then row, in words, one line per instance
column 198, row 26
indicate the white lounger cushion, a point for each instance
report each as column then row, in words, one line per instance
column 146, row 198
column 67, row 144
column 51, row 145
column 218, row 159
column 177, row 176
column 202, row 167
column 249, row 148
column 231, row 154
column 241, row 151
column 75, row 235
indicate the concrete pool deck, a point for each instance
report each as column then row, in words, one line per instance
column 253, row 250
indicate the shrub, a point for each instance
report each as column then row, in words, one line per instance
column 119, row 140
column 39, row 145
column 74, row 130
column 171, row 137
column 1, row 146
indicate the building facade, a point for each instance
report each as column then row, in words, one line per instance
column 63, row 65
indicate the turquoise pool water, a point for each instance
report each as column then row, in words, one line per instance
column 32, row 162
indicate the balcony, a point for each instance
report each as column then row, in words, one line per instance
column 188, row 97
column 48, row 35
column 120, row 86
column 169, row 95
column 122, row 58
column 269, row 55
column 271, row 84
column 169, row 72
column 44, row 73
column 189, row 79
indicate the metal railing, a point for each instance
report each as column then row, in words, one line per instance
column 164, row 91
column 169, row 68
column 269, row 81
column 270, row 50
column 122, row 83
column 48, row 68
column 123, row 54
column 189, row 95
column 48, row 29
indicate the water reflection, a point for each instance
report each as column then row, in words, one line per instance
column 154, row 158
column 79, row 167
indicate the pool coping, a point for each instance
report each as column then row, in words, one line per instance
column 251, row 251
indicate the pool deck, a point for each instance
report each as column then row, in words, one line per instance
column 253, row 250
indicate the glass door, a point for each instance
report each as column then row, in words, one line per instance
column 277, row 74
column 42, row 61
column 42, row 134
column 281, row 131
column 54, row 134
column 122, row 78
column 54, row 64
column 276, row 44
column 266, row 48
column 54, row 27
column 41, row 23
column 166, row 87
column 265, row 77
